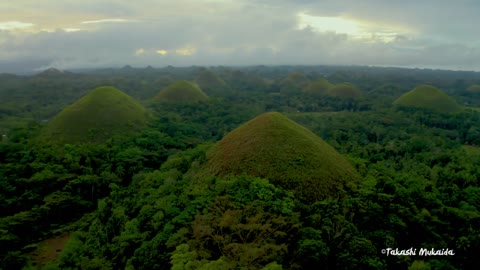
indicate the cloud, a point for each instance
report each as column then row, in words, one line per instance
column 12, row 25
column 105, row 21
column 221, row 32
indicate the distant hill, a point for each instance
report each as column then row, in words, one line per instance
column 162, row 82
column 318, row 88
column 295, row 82
column 344, row 90
column 289, row 155
column 181, row 92
column 241, row 81
column 211, row 83
column 430, row 98
column 474, row 88
column 102, row 113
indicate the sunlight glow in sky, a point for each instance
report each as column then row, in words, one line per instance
column 354, row 29
column 161, row 52
column 185, row 52
column 12, row 25
column 105, row 21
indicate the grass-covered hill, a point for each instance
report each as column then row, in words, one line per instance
column 181, row 92
column 344, row 90
column 318, row 88
column 211, row 83
column 101, row 114
column 430, row 98
column 291, row 156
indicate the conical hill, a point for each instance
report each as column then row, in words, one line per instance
column 318, row 88
column 102, row 113
column 293, row 83
column 181, row 92
column 344, row 90
column 289, row 155
column 211, row 83
column 430, row 98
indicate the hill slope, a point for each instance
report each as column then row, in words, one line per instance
column 291, row 156
column 430, row 98
column 104, row 112
column 181, row 92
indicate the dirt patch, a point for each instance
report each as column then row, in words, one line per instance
column 49, row 249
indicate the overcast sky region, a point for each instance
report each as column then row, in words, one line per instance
column 70, row 34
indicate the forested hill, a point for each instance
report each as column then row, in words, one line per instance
column 282, row 167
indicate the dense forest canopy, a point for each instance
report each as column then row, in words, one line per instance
column 219, row 182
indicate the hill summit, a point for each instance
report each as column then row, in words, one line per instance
column 430, row 98
column 181, row 92
column 102, row 113
column 289, row 155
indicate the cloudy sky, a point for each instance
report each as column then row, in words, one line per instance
column 67, row 34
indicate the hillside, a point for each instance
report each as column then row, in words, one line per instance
column 104, row 112
column 430, row 98
column 344, row 90
column 291, row 156
column 181, row 92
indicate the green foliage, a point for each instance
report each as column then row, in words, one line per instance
column 153, row 206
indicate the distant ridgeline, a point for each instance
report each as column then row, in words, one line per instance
column 96, row 117
column 289, row 155
column 181, row 92
column 429, row 98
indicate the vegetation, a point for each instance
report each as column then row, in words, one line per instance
column 430, row 98
column 181, row 92
column 176, row 194
column 98, row 116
